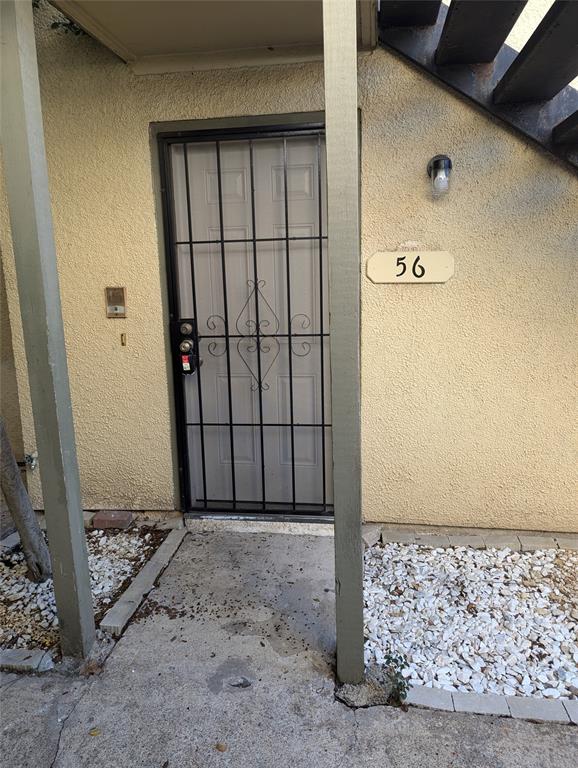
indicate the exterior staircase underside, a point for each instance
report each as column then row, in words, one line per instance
column 463, row 46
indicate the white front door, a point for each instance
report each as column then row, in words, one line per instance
column 249, row 243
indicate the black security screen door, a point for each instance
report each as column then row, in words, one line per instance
column 247, row 260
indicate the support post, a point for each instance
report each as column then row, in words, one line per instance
column 343, row 214
column 26, row 178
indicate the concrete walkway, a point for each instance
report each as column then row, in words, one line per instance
column 229, row 663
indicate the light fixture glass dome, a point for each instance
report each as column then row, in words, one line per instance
column 439, row 169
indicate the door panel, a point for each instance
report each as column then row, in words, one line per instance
column 250, row 268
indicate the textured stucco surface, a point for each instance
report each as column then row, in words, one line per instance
column 9, row 403
column 469, row 397
column 468, row 388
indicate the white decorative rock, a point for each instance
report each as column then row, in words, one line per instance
column 492, row 621
column 30, row 617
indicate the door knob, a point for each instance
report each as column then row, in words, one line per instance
column 185, row 345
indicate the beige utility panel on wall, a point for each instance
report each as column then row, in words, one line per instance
column 410, row 267
column 115, row 301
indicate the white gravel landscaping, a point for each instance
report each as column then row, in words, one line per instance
column 472, row 620
column 27, row 610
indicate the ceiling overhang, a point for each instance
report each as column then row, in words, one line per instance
column 160, row 36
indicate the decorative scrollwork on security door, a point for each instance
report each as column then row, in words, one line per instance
column 218, row 347
column 259, row 338
column 300, row 347
column 268, row 347
column 258, row 345
column 268, row 320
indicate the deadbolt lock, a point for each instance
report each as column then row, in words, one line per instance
column 185, row 345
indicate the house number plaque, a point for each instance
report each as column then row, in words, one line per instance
column 410, row 267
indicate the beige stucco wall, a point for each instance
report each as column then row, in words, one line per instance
column 9, row 402
column 468, row 388
column 469, row 399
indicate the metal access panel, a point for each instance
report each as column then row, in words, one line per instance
column 246, row 242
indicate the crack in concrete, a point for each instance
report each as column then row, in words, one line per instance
column 9, row 684
column 64, row 721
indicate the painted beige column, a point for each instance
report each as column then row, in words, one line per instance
column 342, row 142
column 28, row 196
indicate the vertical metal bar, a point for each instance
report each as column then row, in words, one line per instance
column 257, row 328
column 226, row 318
column 194, row 291
column 26, row 178
column 289, row 339
column 343, row 223
column 321, row 314
column 180, row 418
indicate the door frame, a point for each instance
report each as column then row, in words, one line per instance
column 162, row 136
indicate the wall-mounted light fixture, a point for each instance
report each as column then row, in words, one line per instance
column 439, row 169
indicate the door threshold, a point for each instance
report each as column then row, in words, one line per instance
column 261, row 517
